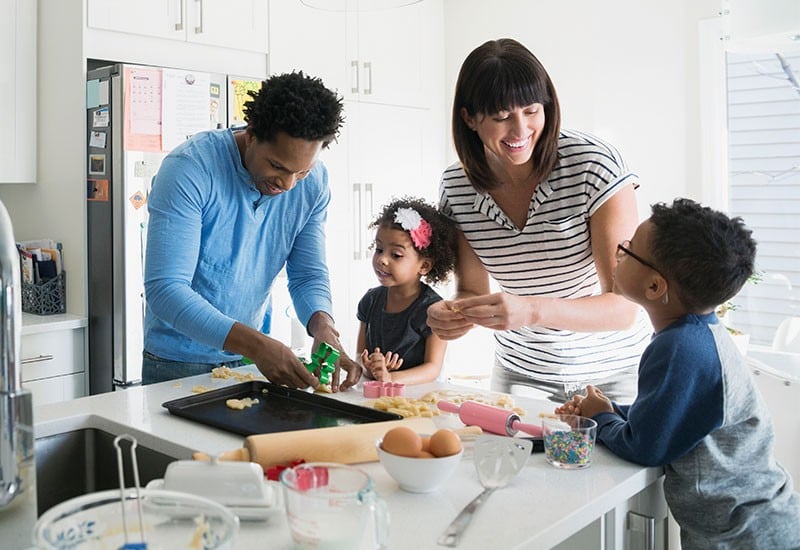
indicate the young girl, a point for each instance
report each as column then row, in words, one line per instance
column 412, row 241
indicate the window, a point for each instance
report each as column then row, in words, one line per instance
column 763, row 115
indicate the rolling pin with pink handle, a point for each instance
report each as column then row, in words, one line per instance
column 491, row 419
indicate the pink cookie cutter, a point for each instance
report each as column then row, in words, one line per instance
column 373, row 388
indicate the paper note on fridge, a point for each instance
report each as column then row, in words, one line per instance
column 184, row 107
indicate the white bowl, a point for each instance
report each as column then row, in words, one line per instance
column 169, row 519
column 419, row 475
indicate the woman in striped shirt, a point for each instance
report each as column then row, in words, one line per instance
column 541, row 210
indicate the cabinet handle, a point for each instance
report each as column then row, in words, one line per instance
column 368, row 70
column 357, row 221
column 37, row 359
column 179, row 24
column 199, row 28
column 640, row 523
column 355, row 83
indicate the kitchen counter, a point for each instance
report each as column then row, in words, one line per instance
column 541, row 507
column 35, row 324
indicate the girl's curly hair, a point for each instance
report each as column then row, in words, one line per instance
column 297, row 104
column 442, row 250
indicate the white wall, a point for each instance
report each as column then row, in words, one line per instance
column 625, row 70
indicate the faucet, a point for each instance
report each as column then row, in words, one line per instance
column 17, row 464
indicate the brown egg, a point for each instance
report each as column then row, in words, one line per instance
column 425, row 454
column 426, row 443
column 445, row 443
column 402, row 441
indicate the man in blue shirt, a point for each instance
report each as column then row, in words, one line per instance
column 228, row 210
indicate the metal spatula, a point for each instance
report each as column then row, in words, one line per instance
column 497, row 460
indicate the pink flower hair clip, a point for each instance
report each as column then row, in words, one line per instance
column 419, row 230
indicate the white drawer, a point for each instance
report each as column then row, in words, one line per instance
column 52, row 353
column 55, row 390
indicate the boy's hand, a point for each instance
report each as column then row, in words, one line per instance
column 573, row 406
column 595, row 402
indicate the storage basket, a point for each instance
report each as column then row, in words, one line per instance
column 47, row 298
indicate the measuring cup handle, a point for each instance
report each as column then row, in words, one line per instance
column 380, row 517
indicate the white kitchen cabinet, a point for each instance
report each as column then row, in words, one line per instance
column 53, row 357
column 373, row 165
column 18, row 91
column 238, row 24
column 639, row 523
column 394, row 136
column 378, row 55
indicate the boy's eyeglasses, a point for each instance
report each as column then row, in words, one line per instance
column 624, row 247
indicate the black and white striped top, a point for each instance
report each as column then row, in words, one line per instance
column 551, row 256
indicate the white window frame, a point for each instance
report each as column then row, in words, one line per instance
column 715, row 188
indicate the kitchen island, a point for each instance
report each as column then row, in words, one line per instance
column 612, row 504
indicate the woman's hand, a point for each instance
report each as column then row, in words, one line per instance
column 500, row 311
column 446, row 322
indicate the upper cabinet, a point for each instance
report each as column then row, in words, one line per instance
column 18, row 91
column 238, row 24
column 369, row 51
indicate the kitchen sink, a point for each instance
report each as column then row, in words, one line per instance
column 80, row 461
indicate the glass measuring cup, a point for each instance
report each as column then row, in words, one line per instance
column 334, row 507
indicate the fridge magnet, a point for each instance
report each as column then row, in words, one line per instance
column 97, row 190
column 97, row 139
column 138, row 200
column 97, row 165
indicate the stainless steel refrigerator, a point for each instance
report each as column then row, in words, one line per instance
column 135, row 115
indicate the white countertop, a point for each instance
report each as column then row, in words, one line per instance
column 34, row 324
column 539, row 508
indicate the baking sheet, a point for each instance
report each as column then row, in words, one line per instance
column 279, row 409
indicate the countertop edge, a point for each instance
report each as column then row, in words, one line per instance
column 36, row 324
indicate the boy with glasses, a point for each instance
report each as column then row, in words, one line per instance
column 697, row 411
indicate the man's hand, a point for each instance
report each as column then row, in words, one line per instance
column 273, row 359
column 321, row 327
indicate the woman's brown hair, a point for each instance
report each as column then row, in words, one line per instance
column 496, row 76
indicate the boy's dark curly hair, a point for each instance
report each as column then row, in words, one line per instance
column 297, row 104
column 442, row 250
column 707, row 254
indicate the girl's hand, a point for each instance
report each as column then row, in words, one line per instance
column 376, row 364
column 393, row 361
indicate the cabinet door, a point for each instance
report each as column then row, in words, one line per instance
column 18, row 91
column 384, row 152
column 398, row 52
column 238, row 24
column 157, row 18
column 312, row 40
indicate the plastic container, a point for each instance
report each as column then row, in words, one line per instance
column 569, row 441
column 169, row 520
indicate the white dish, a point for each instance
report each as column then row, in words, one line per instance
column 240, row 486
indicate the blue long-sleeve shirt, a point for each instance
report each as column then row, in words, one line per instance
column 699, row 414
column 215, row 246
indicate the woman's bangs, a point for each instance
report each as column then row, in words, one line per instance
column 506, row 90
